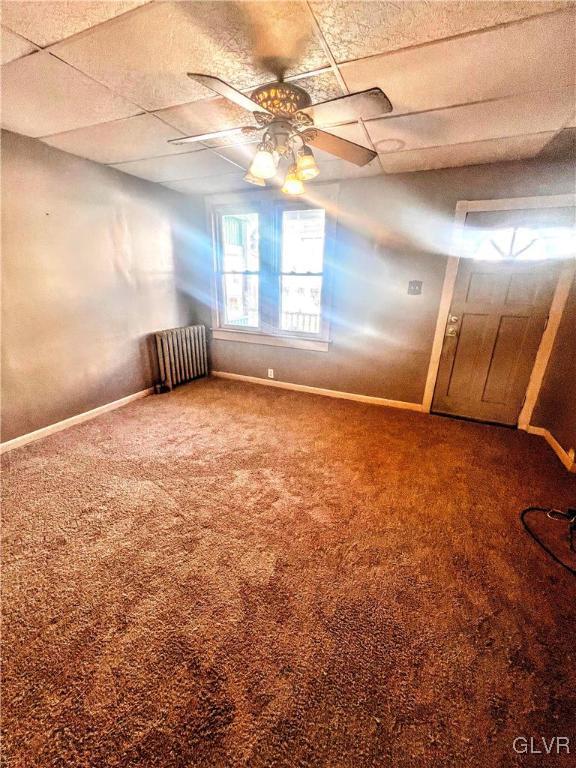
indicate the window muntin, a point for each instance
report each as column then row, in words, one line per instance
column 520, row 234
column 239, row 273
column 301, row 270
column 270, row 270
column 523, row 244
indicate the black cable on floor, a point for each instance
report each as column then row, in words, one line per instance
column 554, row 514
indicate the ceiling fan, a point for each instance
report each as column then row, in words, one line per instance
column 287, row 128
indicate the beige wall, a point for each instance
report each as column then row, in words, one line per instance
column 556, row 406
column 392, row 229
column 89, row 261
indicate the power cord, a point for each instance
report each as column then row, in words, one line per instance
column 568, row 516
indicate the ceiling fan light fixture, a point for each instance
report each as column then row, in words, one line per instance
column 251, row 179
column 263, row 165
column 292, row 183
column 306, row 166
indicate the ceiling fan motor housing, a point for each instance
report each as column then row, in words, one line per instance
column 281, row 99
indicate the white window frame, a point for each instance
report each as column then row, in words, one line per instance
column 270, row 207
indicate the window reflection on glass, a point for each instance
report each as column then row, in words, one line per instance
column 301, row 270
column 240, row 265
column 240, row 300
column 521, row 243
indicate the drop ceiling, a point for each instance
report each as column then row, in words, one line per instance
column 470, row 82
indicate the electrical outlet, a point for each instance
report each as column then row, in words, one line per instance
column 270, row 373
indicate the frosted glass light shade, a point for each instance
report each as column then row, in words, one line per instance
column 263, row 165
column 306, row 167
column 292, row 184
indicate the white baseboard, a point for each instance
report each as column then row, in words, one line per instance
column 320, row 391
column 9, row 445
column 566, row 457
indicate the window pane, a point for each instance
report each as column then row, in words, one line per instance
column 301, row 303
column 240, row 242
column 303, row 240
column 240, row 294
column 521, row 243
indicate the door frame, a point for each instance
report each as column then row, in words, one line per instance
column 565, row 277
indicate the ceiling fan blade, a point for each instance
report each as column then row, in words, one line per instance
column 228, row 133
column 345, row 109
column 347, row 150
column 219, row 86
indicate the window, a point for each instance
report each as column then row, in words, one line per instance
column 270, row 272
column 520, row 235
column 301, row 269
column 239, row 263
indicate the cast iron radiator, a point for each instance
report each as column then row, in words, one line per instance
column 181, row 355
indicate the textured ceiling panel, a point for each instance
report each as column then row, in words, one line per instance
column 493, row 151
column 193, row 165
column 229, row 182
column 537, row 54
column 46, row 22
column 206, row 115
column 340, row 169
column 133, row 138
column 241, row 155
column 145, row 55
column 41, row 95
column 354, row 30
column 320, row 87
column 513, row 116
column 13, row 46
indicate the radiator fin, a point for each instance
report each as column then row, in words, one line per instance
column 182, row 355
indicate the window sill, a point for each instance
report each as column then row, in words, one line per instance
column 295, row 342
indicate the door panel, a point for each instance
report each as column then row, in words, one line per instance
column 510, row 339
column 498, row 314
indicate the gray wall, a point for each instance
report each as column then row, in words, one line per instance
column 392, row 229
column 90, row 258
column 556, row 406
column 94, row 260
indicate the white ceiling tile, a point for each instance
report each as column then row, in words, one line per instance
column 46, row 22
column 354, row 30
column 330, row 170
column 210, row 185
column 240, row 154
column 205, row 116
column 193, row 165
column 145, row 55
column 513, row 116
column 14, row 47
column 537, row 54
column 493, row 151
column 132, row 138
column 42, row 95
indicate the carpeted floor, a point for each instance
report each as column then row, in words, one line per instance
column 232, row 575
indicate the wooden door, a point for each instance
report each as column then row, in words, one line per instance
column 498, row 313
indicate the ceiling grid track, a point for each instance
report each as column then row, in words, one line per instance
column 375, row 65
column 336, row 70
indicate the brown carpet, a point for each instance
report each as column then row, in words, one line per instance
column 232, row 575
